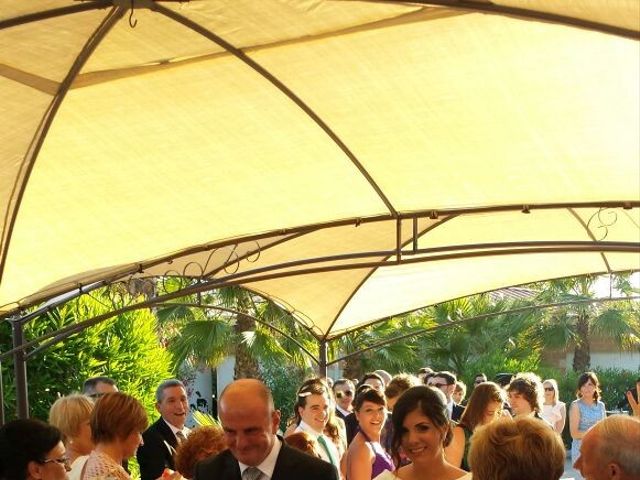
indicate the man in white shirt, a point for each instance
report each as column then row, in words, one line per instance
column 312, row 407
column 250, row 422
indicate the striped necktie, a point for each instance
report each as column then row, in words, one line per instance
column 253, row 473
column 322, row 440
column 180, row 437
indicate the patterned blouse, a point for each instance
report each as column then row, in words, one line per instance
column 101, row 466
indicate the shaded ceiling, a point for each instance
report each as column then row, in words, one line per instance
column 350, row 160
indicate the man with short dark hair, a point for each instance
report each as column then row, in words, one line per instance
column 95, row 387
column 610, row 450
column 478, row 379
column 163, row 437
column 446, row 382
column 250, row 422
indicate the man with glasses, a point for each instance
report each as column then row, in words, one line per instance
column 446, row 382
column 343, row 390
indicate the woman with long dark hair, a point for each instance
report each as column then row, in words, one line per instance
column 484, row 406
column 422, row 430
column 586, row 411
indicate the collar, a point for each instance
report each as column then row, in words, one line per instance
column 342, row 410
column 185, row 431
column 268, row 465
column 307, row 428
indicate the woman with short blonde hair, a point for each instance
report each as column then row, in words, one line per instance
column 71, row 414
column 521, row 449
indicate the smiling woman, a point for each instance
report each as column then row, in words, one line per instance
column 366, row 459
column 32, row 450
column 422, row 430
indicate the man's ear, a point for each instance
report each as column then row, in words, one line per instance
column 34, row 469
column 275, row 418
column 614, row 472
column 158, row 407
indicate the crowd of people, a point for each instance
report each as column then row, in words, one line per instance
column 382, row 427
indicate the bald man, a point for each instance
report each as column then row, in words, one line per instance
column 255, row 452
column 610, row 450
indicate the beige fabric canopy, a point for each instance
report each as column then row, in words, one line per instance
column 349, row 159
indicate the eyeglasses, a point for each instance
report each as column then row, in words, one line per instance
column 345, row 393
column 548, row 389
column 62, row 461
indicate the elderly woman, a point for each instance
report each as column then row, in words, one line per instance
column 117, row 423
column 32, row 450
column 204, row 441
column 422, row 429
column 520, row 449
column 484, row 406
column 71, row 415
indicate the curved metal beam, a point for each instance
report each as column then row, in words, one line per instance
column 488, row 7
column 36, row 144
column 243, row 57
column 479, row 317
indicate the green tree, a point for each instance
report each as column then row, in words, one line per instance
column 125, row 348
column 499, row 341
column 573, row 326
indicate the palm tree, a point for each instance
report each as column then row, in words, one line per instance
column 573, row 326
column 492, row 338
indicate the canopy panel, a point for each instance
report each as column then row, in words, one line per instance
column 350, row 160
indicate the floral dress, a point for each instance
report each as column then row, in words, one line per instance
column 100, row 466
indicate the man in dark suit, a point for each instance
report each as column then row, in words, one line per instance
column 162, row 438
column 250, row 423
column 446, row 382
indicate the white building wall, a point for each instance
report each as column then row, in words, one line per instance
column 621, row 360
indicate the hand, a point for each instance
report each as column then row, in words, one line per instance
column 635, row 407
column 169, row 474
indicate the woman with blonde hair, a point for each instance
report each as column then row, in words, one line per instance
column 520, row 449
column 71, row 415
column 117, row 423
column 484, row 406
column 553, row 410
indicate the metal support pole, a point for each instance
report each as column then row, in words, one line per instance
column 1, row 398
column 20, row 368
column 322, row 365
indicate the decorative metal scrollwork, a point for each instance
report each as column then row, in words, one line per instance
column 602, row 220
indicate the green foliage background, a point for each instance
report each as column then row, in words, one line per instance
column 125, row 348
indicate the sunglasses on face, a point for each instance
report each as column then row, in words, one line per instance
column 346, row 393
column 438, row 385
column 548, row 389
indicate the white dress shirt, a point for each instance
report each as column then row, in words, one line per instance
column 268, row 465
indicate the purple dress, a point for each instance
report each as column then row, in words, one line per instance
column 382, row 461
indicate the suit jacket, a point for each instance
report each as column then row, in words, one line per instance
column 291, row 464
column 351, row 424
column 456, row 412
column 154, row 456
